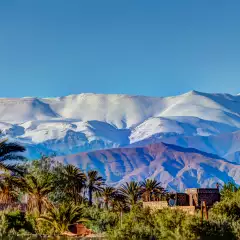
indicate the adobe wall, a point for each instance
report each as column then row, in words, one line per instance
column 155, row 205
column 158, row 205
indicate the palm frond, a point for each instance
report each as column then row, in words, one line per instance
column 10, row 152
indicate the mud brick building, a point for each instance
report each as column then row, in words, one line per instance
column 182, row 199
column 198, row 195
column 190, row 200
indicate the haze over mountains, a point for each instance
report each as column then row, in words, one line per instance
column 87, row 122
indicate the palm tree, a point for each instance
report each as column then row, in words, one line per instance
column 94, row 184
column 38, row 191
column 151, row 188
column 131, row 191
column 10, row 152
column 9, row 188
column 73, row 181
column 63, row 216
column 119, row 203
column 107, row 194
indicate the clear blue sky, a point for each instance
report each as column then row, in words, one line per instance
column 156, row 47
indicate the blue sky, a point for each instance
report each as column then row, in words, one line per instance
column 156, row 48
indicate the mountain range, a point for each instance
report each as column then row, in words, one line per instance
column 177, row 168
column 120, row 127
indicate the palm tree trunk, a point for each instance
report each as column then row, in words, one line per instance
column 90, row 196
column 106, row 204
column 39, row 207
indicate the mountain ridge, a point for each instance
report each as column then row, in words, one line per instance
column 88, row 122
column 167, row 163
column 190, row 114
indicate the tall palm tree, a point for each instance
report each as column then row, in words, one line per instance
column 38, row 190
column 73, row 181
column 63, row 216
column 107, row 194
column 9, row 152
column 151, row 188
column 131, row 191
column 94, row 184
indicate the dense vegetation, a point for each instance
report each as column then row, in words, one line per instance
column 58, row 195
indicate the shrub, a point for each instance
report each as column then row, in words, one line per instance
column 137, row 224
column 170, row 224
column 100, row 219
column 214, row 229
column 17, row 221
column 228, row 207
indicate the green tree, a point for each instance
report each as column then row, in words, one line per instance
column 107, row 194
column 131, row 191
column 94, row 183
column 119, row 203
column 151, row 189
column 17, row 221
column 43, row 167
column 10, row 188
column 72, row 181
column 61, row 217
column 38, row 190
column 228, row 207
column 228, row 190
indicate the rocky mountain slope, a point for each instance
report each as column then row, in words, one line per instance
column 175, row 167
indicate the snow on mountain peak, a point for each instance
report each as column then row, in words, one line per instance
column 142, row 116
column 88, row 121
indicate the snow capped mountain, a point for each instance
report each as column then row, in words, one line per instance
column 94, row 121
column 88, row 122
column 24, row 109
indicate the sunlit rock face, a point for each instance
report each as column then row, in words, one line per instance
column 175, row 167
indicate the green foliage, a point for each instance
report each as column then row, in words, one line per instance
column 132, row 192
column 47, row 174
column 59, row 193
column 9, row 155
column 229, row 207
column 228, row 190
column 42, row 167
column 172, row 222
column 100, row 220
column 152, row 189
column 70, row 182
column 94, row 184
column 9, row 188
column 169, row 224
column 17, row 221
column 212, row 229
column 107, row 195
column 61, row 217
column 137, row 224
column 37, row 190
